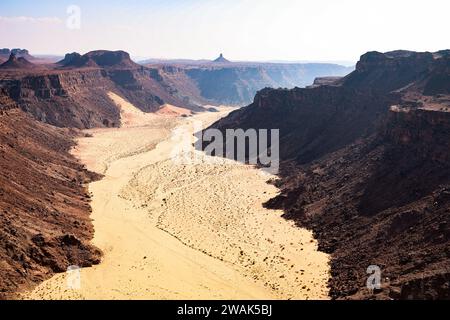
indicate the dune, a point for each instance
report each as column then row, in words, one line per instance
column 179, row 230
column 171, row 110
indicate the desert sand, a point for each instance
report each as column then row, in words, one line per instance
column 173, row 228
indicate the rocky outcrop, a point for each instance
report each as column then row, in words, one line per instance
column 325, row 81
column 399, row 70
column 75, row 92
column 66, row 99
column 424, row 132
column 312, row 122
column 321, row 119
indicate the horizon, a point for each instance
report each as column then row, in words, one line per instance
column 259, row 31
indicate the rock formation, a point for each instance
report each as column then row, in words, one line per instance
column 237, row 83
column 44, row 204
column 100, row 58
column 74, row 93
column 19, row 53
column 18, row 63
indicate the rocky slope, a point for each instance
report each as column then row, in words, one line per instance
column 365, row 165
column 74, row 92
column 44, row 204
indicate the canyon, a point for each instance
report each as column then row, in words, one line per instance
column 73, row 92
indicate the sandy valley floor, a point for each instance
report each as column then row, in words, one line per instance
column 174, row 229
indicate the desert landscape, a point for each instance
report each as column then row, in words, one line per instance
column 242, row 150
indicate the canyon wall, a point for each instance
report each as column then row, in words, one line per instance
column 238, row 84
column 365, row 165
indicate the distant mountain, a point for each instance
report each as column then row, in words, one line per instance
column 236, row 83
column 366, row 166
column 83, row 83
column 221, row 59
column 15, row 62
column 23, row 53
column 19, row 53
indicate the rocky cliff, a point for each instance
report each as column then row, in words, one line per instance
column 99, row 58
column 19, row 53
column 365, row 166
column 236, row 83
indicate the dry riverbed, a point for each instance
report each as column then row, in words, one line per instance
column 172, row 229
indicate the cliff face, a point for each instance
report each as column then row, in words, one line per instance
column 312, row 122
column 371, row 181
column 424, row 132
column 72, row 99
column 44, row 205
column 380, row 201
column 237, row 84
column 99, row 58
column 323, row 118
column 76, row 95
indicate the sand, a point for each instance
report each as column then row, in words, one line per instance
column 171, row 228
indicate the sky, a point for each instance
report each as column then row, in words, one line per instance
column 251, row 30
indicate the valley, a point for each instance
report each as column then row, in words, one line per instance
column 162, row 238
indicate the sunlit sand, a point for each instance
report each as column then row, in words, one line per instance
column 174, row 230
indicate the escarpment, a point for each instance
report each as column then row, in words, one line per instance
column 44, row 202
column 238, row 83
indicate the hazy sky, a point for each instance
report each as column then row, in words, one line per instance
column 241, row 29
